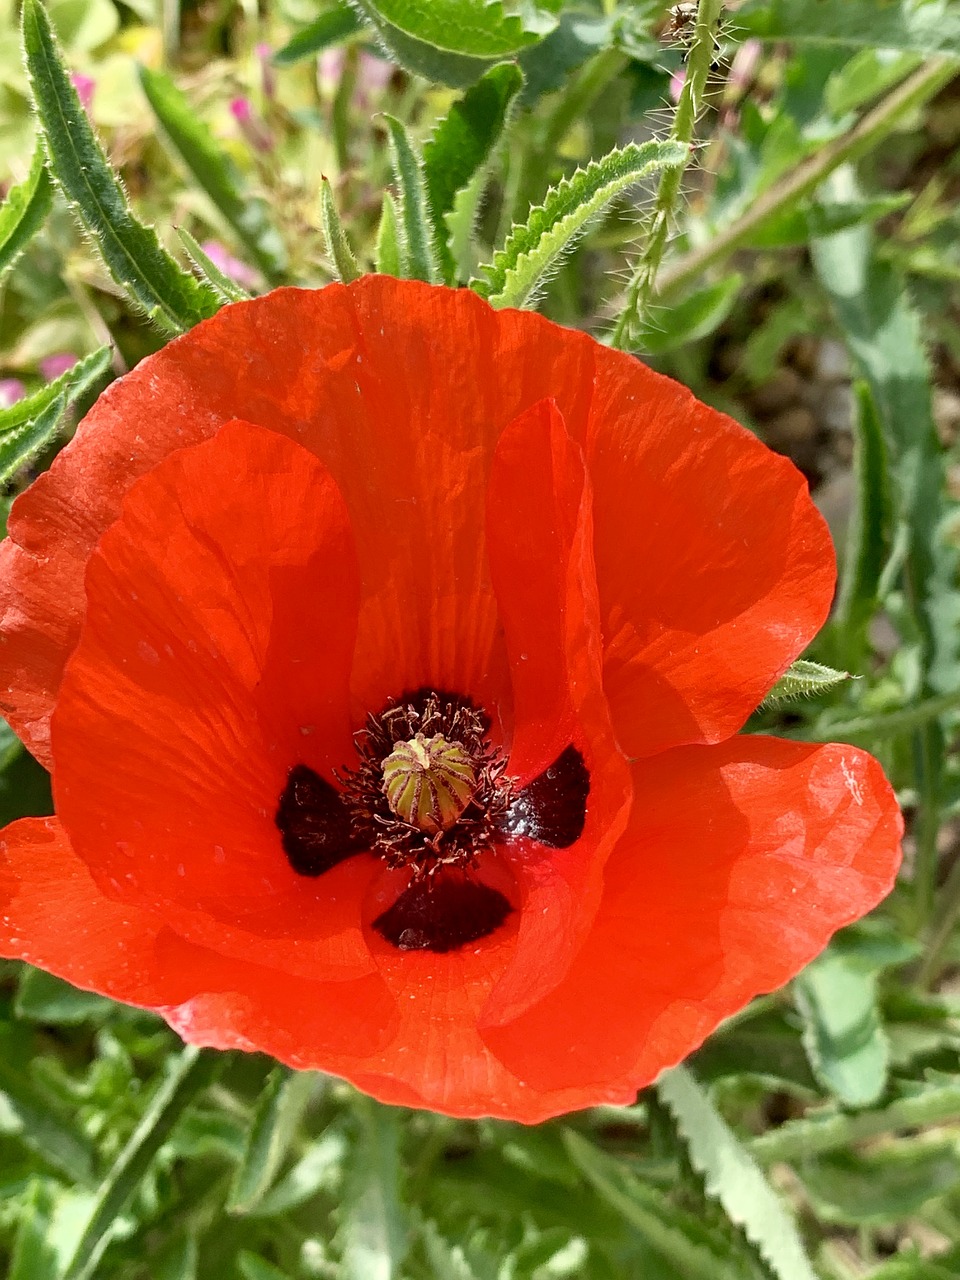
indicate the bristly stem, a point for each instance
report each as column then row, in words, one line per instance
column 660, row 220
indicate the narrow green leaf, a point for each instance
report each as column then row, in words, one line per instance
column 210, row 166
column 534, row 249
column 37, row 1125
column 889, row 724
column 732, row 1177
column 34, row 1256
column 253, row 1268
column 192, row 1073
column 929, row 28
column 461, row 146
column 331, row 28
column 802, row 223
column 417, row 247
column 804, row 679
column 24, row 211
column 22, row 445
column 227, row 289
column 338, row 246
column 41, row 997
column 373, row 1226
column 319, row 1168
column 77, row 382
column 843, row 1035
column 388, row 261
column 152, row 279
column 883, row 1187
column 278, row 1113
column 869, row 534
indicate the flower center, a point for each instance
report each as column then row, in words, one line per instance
column 429, row 782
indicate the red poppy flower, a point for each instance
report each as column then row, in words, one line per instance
column 386, row 651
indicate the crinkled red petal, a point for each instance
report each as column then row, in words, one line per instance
column 713, row 568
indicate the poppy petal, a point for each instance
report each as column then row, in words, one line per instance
column 739, row 863
column 214, row 658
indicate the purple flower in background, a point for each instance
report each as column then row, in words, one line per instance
column 233, row 267
column 84, row 86
column 11, row 390
column 251, row 126
column 267, row 77
column 373, row 73
column 53, row 366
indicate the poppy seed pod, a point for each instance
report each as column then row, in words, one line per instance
column 387, row 652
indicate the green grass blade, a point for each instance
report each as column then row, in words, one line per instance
column 338, row 246
column 193, row 1072
column 228, row 290
column 76, row 382
column 24, row 211
column 211, row 168
column 419, row 257
column 278, row 1113
column 388, row 261
column 151, row 278
column 329, row 29
column 535, row 248
column 373, row 1223
column 732, row 1177
column 59, row 1144
column 461, row 146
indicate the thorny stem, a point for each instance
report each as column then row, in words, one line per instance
column 913, row 92
column 660, row 220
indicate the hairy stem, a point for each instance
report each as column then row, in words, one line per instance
column 913, row 92
column 657, row 229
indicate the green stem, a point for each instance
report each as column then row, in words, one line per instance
column 657, row 230
column 913, row 92
column 814, row 1135
column 941, row 929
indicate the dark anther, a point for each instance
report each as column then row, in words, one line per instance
column 553, row 807
column 442, row 913
column 314, row 823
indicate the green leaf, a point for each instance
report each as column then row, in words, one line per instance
column 76, row 383
column 41, row 997
column 695, row 317
column 843, row 1035
column 24, row 212
column 805, row 679
column 212, row 169
column 228, row 290
column 153, row 281
column 30, row 1117
column 253, row 1268
column 803, row 223
column 373, row 1225
column 331, row 28
column 476, row 28
column 338, row 246
column 732, row 1177
column 929, row 28
column 192, row 1072
column 34, row 1254
column 869, row 536
column 419, row 259
column 387, row 255
column 880, row 1187
column 534, row 249
column 278, row 1113
column 461, row 146
column 24, row 784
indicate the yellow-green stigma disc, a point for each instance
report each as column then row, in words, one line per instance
column 428, row 782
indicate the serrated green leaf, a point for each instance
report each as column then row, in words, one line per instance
column 732, row 1177
column 929, row 28
column 387, row 256
column 461, row 145
column 419, row 259
column 535, row 247
column 475, row 28
column 869, row 535
column 76, row 383
column 227, row 289
column 843, row 1034
column 131, row 251
column 278, row 1113
column 338, row 246
column 880, row 1187
column 805, row 679
column 192, row 1072
column 24, row 211
column 22, row 445
column 331, row 28
column 373, row 1226
column 210, row 166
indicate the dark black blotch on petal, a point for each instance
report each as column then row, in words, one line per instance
column 442, row 914
column 314, row 823
column 553, row 807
